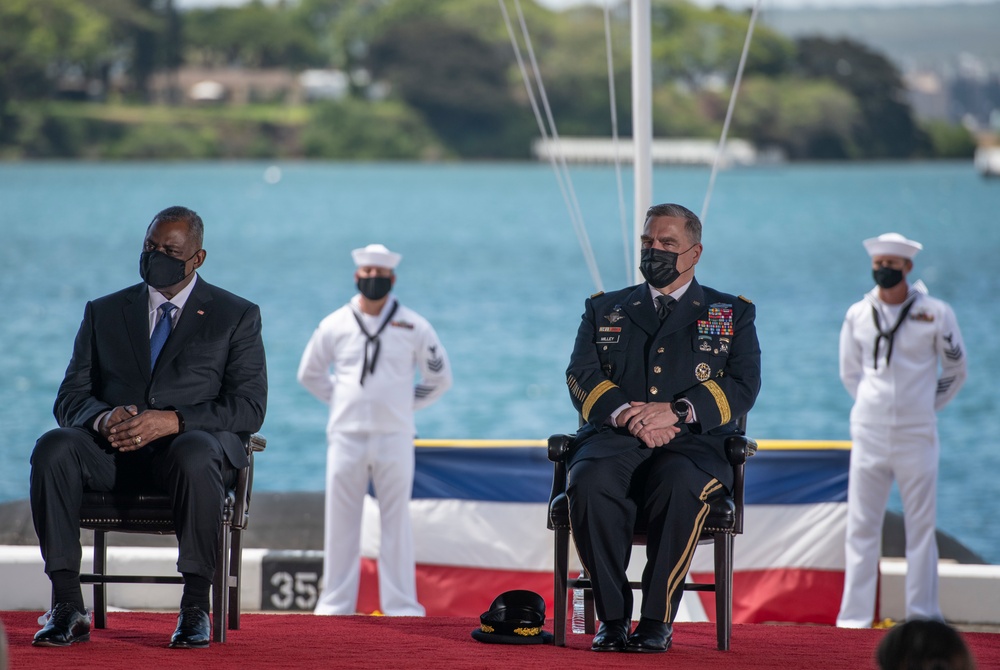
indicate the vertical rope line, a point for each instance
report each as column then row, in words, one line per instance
column 585, row 245
column 729, row 111
column 542, row 130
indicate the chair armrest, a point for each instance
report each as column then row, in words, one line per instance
column 559, row 446
column 253, row 442
column 244, row 480
column 258, row 442
column 558, row 516
column 739, row 448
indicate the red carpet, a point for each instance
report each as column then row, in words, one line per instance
column 138, row 640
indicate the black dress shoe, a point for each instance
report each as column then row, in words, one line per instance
column 611, row 635
column 193, row 629
column 65, row 626
column 650, row 637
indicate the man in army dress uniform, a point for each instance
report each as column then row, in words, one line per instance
column 660, row 373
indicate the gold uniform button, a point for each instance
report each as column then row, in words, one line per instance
column 660, row 350
column 653, row 390
column 657, row 369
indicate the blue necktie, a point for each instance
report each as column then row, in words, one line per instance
column 160, row 333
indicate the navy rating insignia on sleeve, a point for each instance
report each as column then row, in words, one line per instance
column 952, row 351
column 435, row 363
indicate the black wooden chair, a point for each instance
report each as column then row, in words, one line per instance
column 152, row 513
column 724, row 523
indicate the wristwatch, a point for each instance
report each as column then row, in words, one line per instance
column 682, row 408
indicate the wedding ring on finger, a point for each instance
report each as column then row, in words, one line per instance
column 137, row 440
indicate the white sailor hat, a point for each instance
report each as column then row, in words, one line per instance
column 376, row 255
column 892, row 244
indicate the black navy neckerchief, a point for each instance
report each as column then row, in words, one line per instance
column 373, row 340
column 889, row 336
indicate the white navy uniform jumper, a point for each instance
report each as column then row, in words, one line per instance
column 898, row 383
column 370, row 434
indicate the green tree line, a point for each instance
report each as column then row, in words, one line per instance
column 429, row 79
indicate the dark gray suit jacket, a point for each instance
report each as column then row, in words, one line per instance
column 212, row 368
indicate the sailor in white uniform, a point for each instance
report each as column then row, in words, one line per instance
column 902, row 359
column 363, row 362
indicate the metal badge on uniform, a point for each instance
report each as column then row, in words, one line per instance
column 609, row 334
column 724, row 345
column 616, row 315
column 704, row 342
column 702, row 372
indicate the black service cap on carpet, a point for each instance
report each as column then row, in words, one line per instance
column 515, row 617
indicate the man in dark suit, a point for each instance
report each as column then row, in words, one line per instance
column 660, row 373
column 164, row 374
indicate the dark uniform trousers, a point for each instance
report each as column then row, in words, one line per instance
column 191, row 467
column 606, row 495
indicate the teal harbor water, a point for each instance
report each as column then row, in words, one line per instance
column 491, row 259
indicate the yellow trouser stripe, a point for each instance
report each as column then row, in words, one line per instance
column 680, row 570
column 594, row 396
column 720, row 399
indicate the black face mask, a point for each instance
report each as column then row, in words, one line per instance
column 160, row 270
column 887, row 277
column 659, row 267
column 375, row 288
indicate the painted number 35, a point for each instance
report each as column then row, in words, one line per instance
column 294, row 591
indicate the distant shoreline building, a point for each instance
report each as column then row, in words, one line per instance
column 736, row 153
